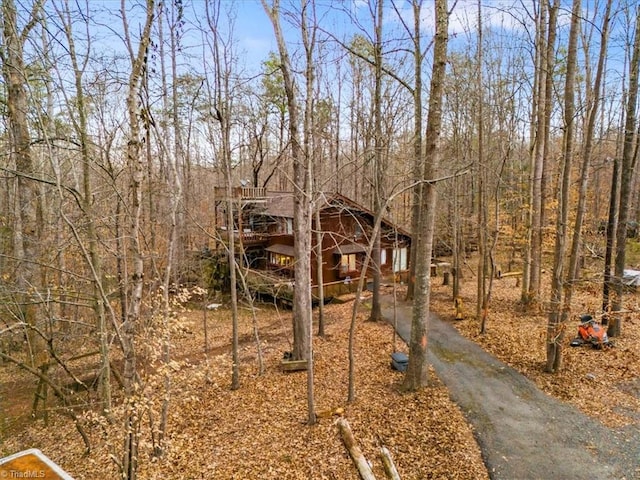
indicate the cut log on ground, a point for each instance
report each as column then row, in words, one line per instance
column 356, row 454
column 389, row 467
column 510, row 274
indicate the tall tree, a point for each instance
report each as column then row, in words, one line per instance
column 418, row 148
column 416, row 375
column 593, row 99
column 169, row 131
column 28, row 220
column 379, row 168
column 629, row 158
column 555, row 332
column 78, row 113
column 138, row 57
column 222, row 101
column 545, row 58
column 308, row 33
column 481, row 305
column 302, row 213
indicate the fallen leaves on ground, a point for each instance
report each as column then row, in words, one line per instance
column 259, row 430
column 604, row 384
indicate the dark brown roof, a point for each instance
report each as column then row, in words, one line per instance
column 280, row 204
column 349, row 248
column 281, row 249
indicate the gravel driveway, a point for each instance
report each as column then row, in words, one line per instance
column 523, row 433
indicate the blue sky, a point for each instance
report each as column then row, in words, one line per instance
column 255, row 39
column 255, row 36
column 254, row 33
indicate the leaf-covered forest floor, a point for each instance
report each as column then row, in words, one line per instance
column 604, row 384
column 259, row 431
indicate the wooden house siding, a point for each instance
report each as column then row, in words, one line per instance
column 346, row 228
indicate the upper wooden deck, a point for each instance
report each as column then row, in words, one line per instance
column 255, row 194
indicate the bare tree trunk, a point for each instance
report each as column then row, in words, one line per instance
column 302, row 314
column 376, row 309
column 28, row 225
column 481, row 313
column 535, row 139
column 136, row 166
column 612, row 226
column 541, row 147
column 302, row 304
column 173, row 153
column 555, row 332
column 593, row 102
column 319, row 274
column 233, row 275
column 94, row 258
column 417, row 371
column 222, row 105
column 456, row 251
column 308, row 40
column 550, row 62
column 627, row 170
column 181, row 165
column 418, row 162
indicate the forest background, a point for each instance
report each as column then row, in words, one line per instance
column 120, row 119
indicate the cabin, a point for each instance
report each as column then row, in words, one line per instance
column 263, row 233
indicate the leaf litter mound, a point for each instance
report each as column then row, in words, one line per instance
column 259, row 431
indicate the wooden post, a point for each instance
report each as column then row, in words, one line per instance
column 356, row 454
column 389, row 466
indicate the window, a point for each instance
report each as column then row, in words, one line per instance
column 399, row 259
column 280, row 260
column 383, row 256
column 348, row 263
column 285, row 225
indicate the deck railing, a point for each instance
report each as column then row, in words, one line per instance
column 253, row 192
column 243, row 193
column 248, row 236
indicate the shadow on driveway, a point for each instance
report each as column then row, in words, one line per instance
column 523, row 433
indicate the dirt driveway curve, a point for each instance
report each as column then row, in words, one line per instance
column 523, row 433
